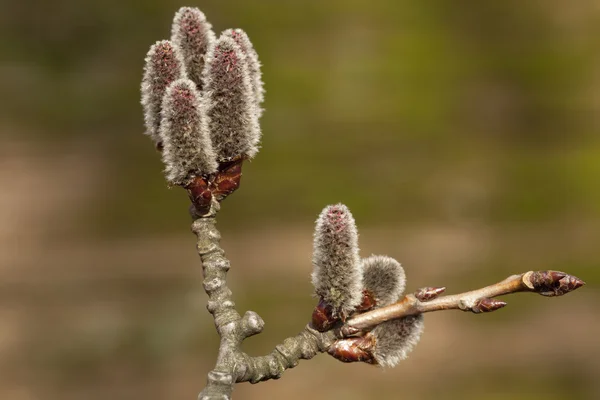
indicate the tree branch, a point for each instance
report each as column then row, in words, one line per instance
column 546, row 283
column 233, row 365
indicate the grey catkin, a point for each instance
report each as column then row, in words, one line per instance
column 163, row 65
column 384, row 277
column 187, row 151
column 395, row 339
column 228, row 102
column 193, row 35
column 242, row 39
column 337, row 271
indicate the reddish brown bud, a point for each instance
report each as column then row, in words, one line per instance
column 429, row 293
column 322, row 317
column 227, row 179
column 487, row 305
column 354, row 349
column 200, row 194
column 368, row 302
column 552, row 283
column 348, row 330
column 219, row 185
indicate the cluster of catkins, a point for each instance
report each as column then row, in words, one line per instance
column 202, row 100
column 201, row 97
column 347, row 285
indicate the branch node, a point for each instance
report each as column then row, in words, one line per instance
column 219, row 387
column 221, row 264
column 287, row 355
column 466, row 304
column 220, row 378
column 210, row 285
column 252, row 324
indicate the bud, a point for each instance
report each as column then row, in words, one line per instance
column 485, row 305
column 429, row 293
column 395, row 339
column 337, row 273
column 322, row 317
column 231, row 123
column 242, row 40
column 163, row 65
column 192, row 34
column 354, row 349
column 552, row 283
column 187, row 151
column 384, row 278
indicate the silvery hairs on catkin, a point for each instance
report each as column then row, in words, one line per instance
column 337, row 270
column 193, row 35
column 163, row 65
column 395, row 339
column 231, row 118
column 384, row 278
column 242, row 39
column 187, row 152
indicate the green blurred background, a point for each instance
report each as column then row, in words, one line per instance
column 463, row 135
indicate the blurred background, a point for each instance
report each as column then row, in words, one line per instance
column 463, row 135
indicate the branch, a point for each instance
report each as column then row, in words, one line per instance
column 546, row 283
column 233, row 365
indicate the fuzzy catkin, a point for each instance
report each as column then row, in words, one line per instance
column 395, row 339
column 163, row 65
column 187, row 152
column 231, row 121
column 242, row 39
column 384, row 278
column 193, row 35
column 337, row 270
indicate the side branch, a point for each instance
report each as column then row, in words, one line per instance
column 546, row 283
column 303, row 346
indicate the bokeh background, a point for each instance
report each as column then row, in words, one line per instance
column 463, row 135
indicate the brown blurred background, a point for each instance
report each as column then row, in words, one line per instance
column 463, row 135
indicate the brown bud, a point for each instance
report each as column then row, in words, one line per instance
column 429, row 293
column 227, row 179
column 552, row 283
column 322, row 317
column 354, row 349
column 487, row 305
column 368, row 302
column 348, row 330
column 199, row 194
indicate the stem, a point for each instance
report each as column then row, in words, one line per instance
column 546, row 283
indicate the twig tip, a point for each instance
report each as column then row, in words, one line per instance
column 552, row 283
